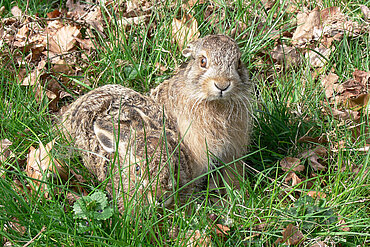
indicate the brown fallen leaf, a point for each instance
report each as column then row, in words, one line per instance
column 345, row 114
column 328, row 83
column 126, row 22
column 362, row 77
column 95, row 18
column 55, row 13
column 316, row 194
column 291, row 235
column 197, row 239
column 34, row 76
column 40, row 164
column 313, row 156
column 184, row 30
column 16, row 12
column 309, row 139
column 306, row 22
column 366, row 12
column 318, row 57
column 335, row 22
column 286, row 55
column 295, row 179
column 360, row 102
column 319, row 244
column 344, row 227
column 222, row 231
column 64, row 39
column 291, row 164
column 5, row 152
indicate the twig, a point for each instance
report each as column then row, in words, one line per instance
column 272, row 180
column 37, row 235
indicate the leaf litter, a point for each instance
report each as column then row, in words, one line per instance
column 52, row 46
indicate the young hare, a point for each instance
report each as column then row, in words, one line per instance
column 113, row 120
column 210, row 102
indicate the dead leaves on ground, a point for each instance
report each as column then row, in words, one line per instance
column 49, row 50
column 40, row 164
column 313, row 37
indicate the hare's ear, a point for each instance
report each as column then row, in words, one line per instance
column 105, row 138
column 189, row 50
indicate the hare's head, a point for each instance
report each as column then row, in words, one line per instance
column 215, row 71
column 142, row 166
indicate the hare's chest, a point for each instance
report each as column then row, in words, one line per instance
column 204, row 140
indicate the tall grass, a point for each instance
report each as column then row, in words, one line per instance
column 287, row 108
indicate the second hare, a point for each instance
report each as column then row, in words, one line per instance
column 210, row 102
column 114, row 123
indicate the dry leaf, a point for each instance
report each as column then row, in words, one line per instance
column 40, row 164
column 197, row 240
column 86, row 44
column 190, row 3
column 366, row 12
column 184, row 30
column 54, row 14
column 291, row 164
column 316, row 194
column 309, row 139
column 221, row 231
column 319, row 244
column 334, row 22
column 286, row 55
column 319, row 56
column 343, row 225
column 64, row 39
column 362, row 77
column 306, row 22
column 328, row 82
column 16, row 12
column 34, row 76
column 124, row 23
column 5, row 152
column 295, row 179
column 360, row 102
column 313, row 156
column 292, row 235
column 95, row 19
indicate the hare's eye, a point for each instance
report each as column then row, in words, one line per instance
column 203, row 62
column 138, row 171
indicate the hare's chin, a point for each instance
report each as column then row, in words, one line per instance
column 219, row 95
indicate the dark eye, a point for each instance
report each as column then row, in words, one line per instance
column 137, row 168
column 203, row 62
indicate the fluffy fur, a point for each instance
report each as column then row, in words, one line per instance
column 210, row 101
column 113, row 120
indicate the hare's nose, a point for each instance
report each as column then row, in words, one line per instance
column 223, row 85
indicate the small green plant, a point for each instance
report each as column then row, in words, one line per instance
column 93, row 208
column 313, row 214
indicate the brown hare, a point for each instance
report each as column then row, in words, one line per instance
column 114, row 120
column 210, row 102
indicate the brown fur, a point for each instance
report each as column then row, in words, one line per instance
column 96, row 120
column 207, row 117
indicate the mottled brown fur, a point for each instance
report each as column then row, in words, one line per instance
column 95, row 122
column 206, row 116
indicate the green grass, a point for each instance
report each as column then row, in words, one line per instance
column 289, row 106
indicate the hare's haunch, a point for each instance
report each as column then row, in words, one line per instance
column 114, row 118
column 210, row 101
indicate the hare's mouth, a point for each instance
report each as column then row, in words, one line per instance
column 218, row 89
